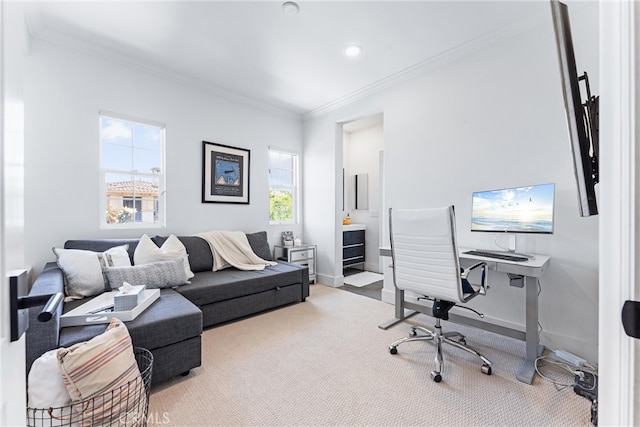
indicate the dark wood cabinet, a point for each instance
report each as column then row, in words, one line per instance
column 352, row 248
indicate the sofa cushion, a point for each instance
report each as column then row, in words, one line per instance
column 84, row 270
column 199, row 251
column 170, row 319
column 212, row 286
column 148, row 252
column 164, row 274
column 260, row 245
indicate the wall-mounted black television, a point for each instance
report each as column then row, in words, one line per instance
column 582, row 117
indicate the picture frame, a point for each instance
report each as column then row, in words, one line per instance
column 225, row 173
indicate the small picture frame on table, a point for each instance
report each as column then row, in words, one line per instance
column 287, row 238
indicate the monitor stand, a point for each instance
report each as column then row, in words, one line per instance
column 510, row 247
column 512, row 242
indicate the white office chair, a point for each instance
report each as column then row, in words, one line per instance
column 425, row 261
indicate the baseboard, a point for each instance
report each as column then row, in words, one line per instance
column 333, row 281
column 574, row 345
column 388, row 296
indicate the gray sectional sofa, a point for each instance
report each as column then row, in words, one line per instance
column 171, row 327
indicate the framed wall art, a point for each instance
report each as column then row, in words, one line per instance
column 225, row 174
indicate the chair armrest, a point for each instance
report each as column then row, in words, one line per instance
column 483, row 275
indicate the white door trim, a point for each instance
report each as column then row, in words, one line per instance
column 618, row 209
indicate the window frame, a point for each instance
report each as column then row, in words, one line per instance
column 160, row 176
column 295, row 189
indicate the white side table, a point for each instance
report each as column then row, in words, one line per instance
column 303, row 254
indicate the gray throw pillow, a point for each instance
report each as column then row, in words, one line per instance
column 199, row 251
column 260, row 245
column 163, row 274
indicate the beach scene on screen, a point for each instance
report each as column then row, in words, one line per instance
column 522, row 209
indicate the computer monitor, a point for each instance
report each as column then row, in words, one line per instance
column 514, row 210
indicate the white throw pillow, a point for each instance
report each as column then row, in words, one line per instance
column 45, row 387
column 148, row 252
column 84, row 270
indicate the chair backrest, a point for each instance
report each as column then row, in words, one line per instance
column 425, row 252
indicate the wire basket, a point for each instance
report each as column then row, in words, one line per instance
column 130, row 408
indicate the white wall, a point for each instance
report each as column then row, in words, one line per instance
column 64, row 91
column 362, row 149
column 492, row 119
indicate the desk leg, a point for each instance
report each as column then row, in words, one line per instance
column 401, row 314
column 528, row 370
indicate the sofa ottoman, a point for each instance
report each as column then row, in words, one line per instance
column 170, row 328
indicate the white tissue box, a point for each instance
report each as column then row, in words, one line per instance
column 123, row 301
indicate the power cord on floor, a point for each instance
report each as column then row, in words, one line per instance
column 584, row 379
column 563, row 366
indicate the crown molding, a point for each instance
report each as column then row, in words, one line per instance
column 38, row 31
column 465, row 49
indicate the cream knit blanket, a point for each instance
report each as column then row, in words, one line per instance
column 231, row 248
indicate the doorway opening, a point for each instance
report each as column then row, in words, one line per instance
column 362, row 149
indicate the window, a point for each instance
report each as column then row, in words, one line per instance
column 131, row 172
column 283, row 187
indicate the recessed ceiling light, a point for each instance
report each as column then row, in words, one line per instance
column 290, row 8
column 353, row 50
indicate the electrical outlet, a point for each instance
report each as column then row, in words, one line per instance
column 586, row 385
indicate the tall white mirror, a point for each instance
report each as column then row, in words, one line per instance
column 361, row 191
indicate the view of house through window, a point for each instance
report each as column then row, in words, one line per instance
column 283, row 187
column 132, row 175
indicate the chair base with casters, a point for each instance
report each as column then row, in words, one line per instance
column 425, row 261
column 456, row 339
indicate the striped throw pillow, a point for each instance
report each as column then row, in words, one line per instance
column 102, row 374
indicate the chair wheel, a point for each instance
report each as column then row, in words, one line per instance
column 412, row 332
column 486, row 369
column 393, row 350
column 435, row 376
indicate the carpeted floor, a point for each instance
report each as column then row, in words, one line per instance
column 325, row 362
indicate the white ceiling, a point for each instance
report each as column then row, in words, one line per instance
column 252, row 50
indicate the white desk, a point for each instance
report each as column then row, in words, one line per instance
column 531, row 270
